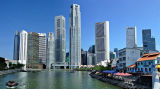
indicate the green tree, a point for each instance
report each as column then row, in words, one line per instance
column 2, row 63
column 19, row 66
column 102, row 68
column 10, row 65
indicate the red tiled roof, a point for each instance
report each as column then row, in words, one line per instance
column 6, row 60
column 150, row 56
column 131, row 66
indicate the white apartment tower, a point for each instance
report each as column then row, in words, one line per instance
column 60, row 39
column 75, row 36
column 42, row 47
column 102, row 43
column 23, row 48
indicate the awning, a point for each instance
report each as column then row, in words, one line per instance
column 122, row 74
column 109, row 71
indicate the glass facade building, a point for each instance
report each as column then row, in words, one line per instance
column 117, row 52
column 60, row 39
column 148, row 41
column 16, row 46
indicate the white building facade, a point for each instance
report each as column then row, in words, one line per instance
column 91, row 58
column 130, row 54
column 23, row 48
column 102, row 43
column 50, row 50
column 42, row 47
column 131, row 37
column 75, row 36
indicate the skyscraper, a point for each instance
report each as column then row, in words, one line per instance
column 75, row 35
column 42, row 48
column 50, row 50
column 23, row 48
column 148, row 41
column 112, row 55
column 33, row 50
column 132, row 52
column 83, row 57
column 117, row 52
column 102, row 43
column 131, row 37
column 91, row 49
column 60, row 39
column 16, row 46
column 91, row 56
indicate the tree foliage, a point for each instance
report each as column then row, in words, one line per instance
column 102, row 68
column 3, row 65
column 15, row 66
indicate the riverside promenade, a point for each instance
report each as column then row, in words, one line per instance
column 120, row 83
column 4, row 72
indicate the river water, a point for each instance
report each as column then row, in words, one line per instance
column 56, row 79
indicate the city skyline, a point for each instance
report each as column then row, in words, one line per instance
column 9, row 25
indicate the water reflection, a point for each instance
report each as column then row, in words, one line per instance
column 57, row 79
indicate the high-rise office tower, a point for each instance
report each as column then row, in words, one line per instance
column 33, row 50
column 60, row 39
column 102, row 43
column 75, row 36
column 91, row 49
column 91, row 56
column 83, row 57
column 42, row 48
column 112, row 55
column 23, row 48
column 50, row 50
column 131, row 37
column 117, row 52
column 16, row 46
column 148, row 41
column 132, row 52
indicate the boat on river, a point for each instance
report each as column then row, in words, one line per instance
column 11, row 84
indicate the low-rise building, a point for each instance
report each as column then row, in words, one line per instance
column 128, row 56
column 146, row 64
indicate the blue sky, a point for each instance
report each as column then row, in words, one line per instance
column 38, row 16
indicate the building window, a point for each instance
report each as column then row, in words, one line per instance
column 149, row 63
column 149, row 69
column 145, row 69
column 142, row 69
column 124, row 58
column 141, row 63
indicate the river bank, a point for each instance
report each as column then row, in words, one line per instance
column 4, row 72
column 120, row 82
